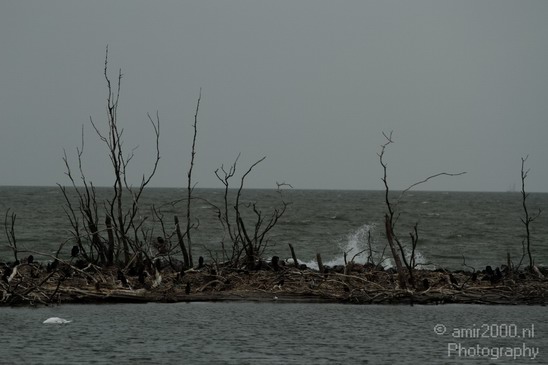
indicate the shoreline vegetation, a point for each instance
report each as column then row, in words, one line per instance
column 64, row 282
column 115, row 256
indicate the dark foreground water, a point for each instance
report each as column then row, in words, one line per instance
column 478, row 227
column 275, row 333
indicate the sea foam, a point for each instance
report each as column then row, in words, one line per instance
column 367, row 245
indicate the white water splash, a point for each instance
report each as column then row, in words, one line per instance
column 367, row 245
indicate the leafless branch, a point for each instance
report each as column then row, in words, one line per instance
column 190, row 188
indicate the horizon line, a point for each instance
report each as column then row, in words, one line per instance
column 286, row 189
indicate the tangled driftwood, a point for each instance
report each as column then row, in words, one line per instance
column 34, row 283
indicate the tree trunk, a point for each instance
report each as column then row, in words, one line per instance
column 395, row 255
column 295, row 262
column 182, row 243
column 110, row 244
column 320, row 263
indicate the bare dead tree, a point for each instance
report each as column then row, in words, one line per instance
column 247, row 238
column 95, row 250
column 124, row 220
column 414, row 236
column 374, row 257
column 164, row 243
column 222, row 213
column 527, row 219
column 242, row 232
column 180, row 240
column 391, row 219
column 122, row 209
column 190, row 188
column 9, row 228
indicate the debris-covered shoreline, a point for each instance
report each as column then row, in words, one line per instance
column 31, row 284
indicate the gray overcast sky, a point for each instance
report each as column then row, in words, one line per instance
column 310, row 84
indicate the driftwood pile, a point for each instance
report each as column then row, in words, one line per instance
column 38, row 284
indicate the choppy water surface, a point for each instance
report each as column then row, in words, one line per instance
column 481, row 227
column 274, row 333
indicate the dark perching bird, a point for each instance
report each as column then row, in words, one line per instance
column 474, row 276
column 453, row 280
column 275, row 263
column 122, row 278
column 30, row 259
column 494, row 276
column 161, row 245
column 7, row 273
column 498, row 276
column 158, row 264
column 259, row 265
column 141, row 277
column 52, row 266
column 75, row 251
column 326, row 272
column 200, row 262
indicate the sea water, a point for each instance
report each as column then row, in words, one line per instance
column 456, row 230
column 274, row 333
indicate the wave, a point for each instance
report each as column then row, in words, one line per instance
column 366, row 245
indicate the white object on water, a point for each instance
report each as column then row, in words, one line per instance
column 56, row 320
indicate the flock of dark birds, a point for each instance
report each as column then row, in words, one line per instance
column 144, row 270
column 488, row 274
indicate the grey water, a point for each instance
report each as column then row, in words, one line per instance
column 274, row 333
column 457, row 230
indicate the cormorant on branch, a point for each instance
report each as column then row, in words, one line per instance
column 52, row 266
column 141, row 277
column 161, row 245
column 493, row 276
column 474, row 276
column 498, row 276
column 7, row 273
column 122, row 277
column 275, row 263
column 453, row 280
